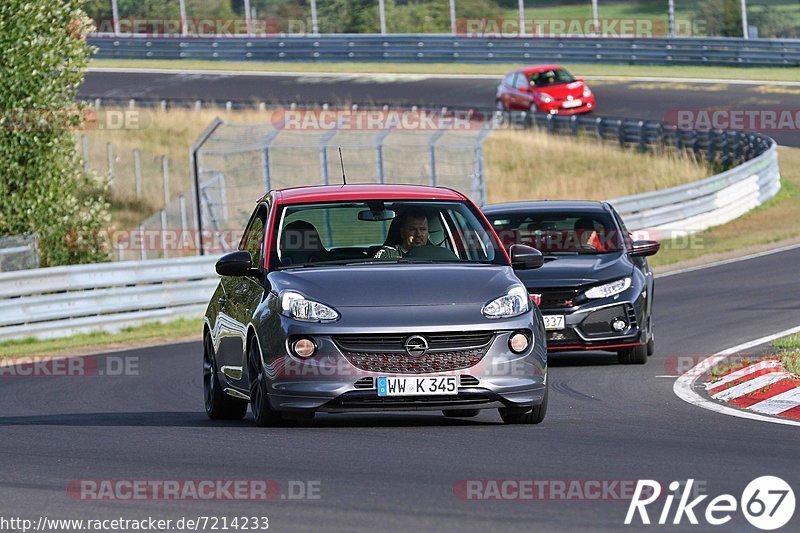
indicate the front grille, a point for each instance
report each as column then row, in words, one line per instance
column 402, row 363
column 557, row 298
column 393, row 343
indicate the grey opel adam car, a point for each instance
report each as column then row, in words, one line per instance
column 373, row 298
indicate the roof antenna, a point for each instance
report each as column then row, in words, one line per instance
column 341, row 160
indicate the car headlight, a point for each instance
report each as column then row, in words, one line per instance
column 546, row 98
column 587, row 92
column 515, row 302
column 609, row 289
column 295, row 305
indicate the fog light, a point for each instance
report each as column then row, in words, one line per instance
column 619, row 325
column 518, row 342
column 304, row 347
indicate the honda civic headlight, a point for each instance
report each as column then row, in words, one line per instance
column 295, row 305
column 587, row 92
column 609, row 289
column 546, row 98
column 515, row 302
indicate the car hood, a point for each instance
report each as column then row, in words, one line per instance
column 574, row 89
column 577, row 270
column 397, row 284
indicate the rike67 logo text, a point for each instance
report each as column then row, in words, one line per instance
column 767, row 502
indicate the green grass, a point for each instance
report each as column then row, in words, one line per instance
column 173, row 330
column 774, row 221
column 580, row 69
column 789, row 350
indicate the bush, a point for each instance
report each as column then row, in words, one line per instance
column 42, row 184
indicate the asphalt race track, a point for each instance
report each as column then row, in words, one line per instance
column 650, row 100
column 391, row 472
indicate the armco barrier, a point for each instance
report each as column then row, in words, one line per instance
column 447, row 48
column 60, row 301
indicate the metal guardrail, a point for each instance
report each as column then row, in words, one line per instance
column 65, row 300
column 445, row 48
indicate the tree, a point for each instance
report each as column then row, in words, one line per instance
column 42, row 184
column 723, row 18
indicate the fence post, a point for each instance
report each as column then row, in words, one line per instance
column 110, row 162
column 266, row 171
column 223, row 196
column 85, row 152
column 184, row 222
column 137, row 171
column 194, row 168
column 432, row 155
column 165, row 168
column 164, row 232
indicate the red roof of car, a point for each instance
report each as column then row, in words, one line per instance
column 539, row 68
column 337, row 193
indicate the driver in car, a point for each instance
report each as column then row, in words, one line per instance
column 413, row 233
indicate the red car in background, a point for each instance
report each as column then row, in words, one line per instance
column 544, row 88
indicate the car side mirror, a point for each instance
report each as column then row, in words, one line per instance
column 644, row 248
column 236, row 263
column 525, row 257
column 524, row 89
column 580, row 78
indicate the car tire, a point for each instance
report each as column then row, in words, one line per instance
column 219, row 406
column 636, row 355
column 531, row 416
column 263, row 413
column 460, row 413
column 651, row 346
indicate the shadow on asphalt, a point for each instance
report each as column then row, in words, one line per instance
column 198, row 419
column 581, row 359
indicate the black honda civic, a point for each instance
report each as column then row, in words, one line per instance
column 595, row 289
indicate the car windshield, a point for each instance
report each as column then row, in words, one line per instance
column 557, row 76
column 383, row 232
column 591, row 232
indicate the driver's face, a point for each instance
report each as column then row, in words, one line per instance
column 414, row 232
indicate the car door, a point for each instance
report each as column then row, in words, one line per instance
column 242, row 296
column 522, row 92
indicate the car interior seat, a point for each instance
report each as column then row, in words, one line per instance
column 301, row 243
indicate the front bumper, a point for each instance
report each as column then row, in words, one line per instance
column 556, row 107
column 334, row 381
column 590, row 326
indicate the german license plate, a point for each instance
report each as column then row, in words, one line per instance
column 572, row 103
column 553, row 321
column 402, row 386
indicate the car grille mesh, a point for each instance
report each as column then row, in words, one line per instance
column 447, row 351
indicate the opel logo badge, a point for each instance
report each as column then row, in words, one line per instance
column 416, row 346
